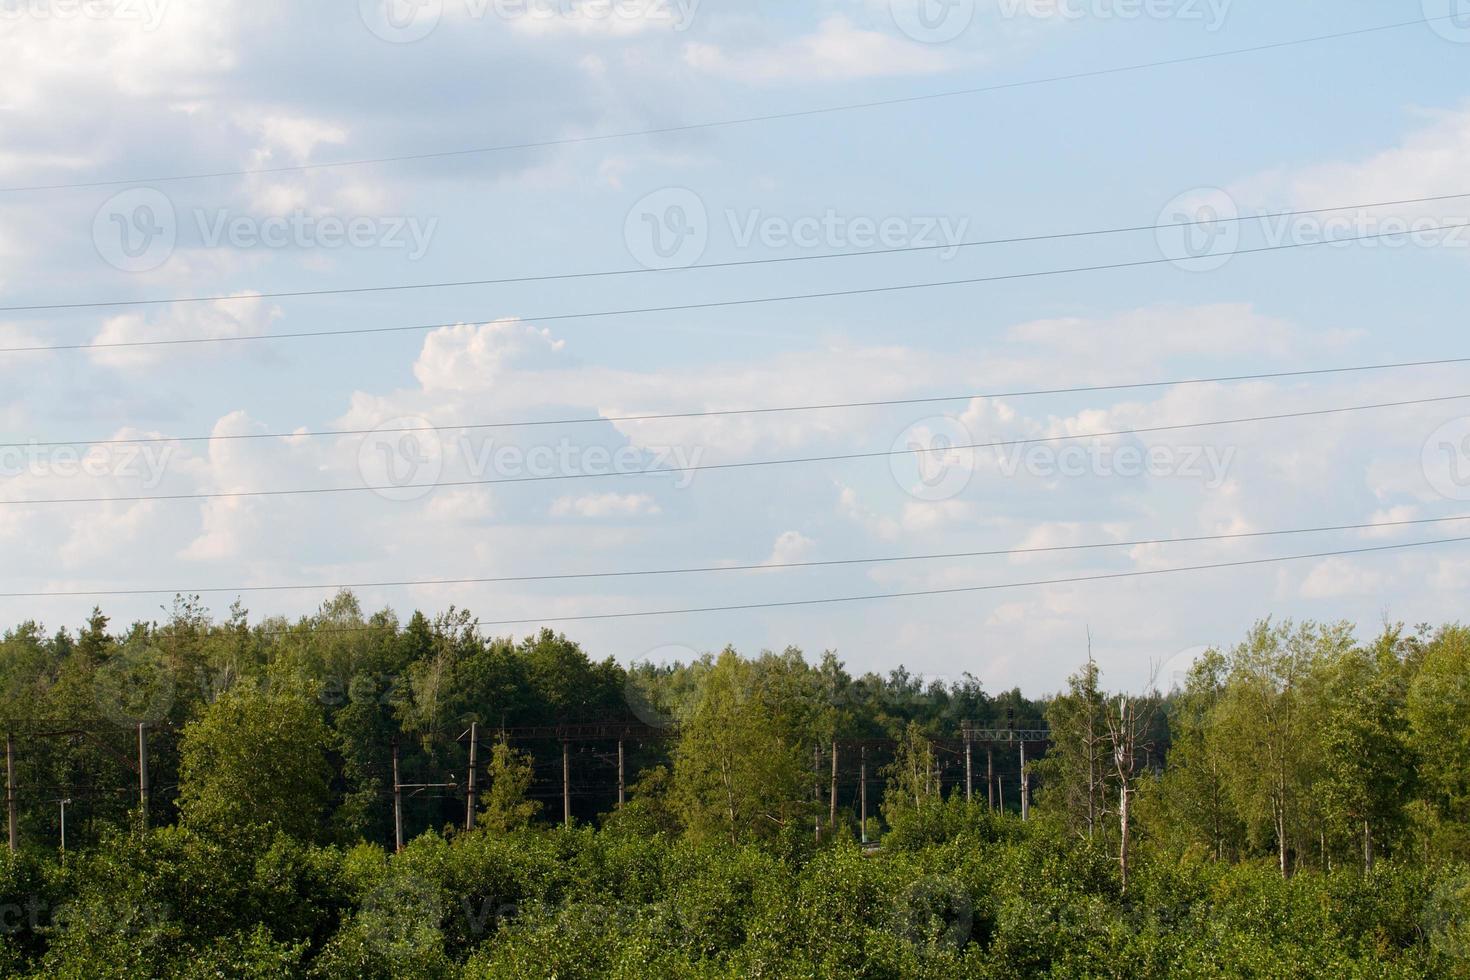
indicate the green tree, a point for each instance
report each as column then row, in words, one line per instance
column 256, row 758
column 1438, row 710
column 1263, row 729
column 511, row 774
column 1074, row 772
column 741, row 767
column 1192, row 807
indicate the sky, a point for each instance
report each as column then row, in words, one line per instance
column 105, row 104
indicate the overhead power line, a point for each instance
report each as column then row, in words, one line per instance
column 733, row 264
column 702, row 467
column 960, row 590
column 970, row 589
column 734, row 121
column 732, row 303
column 763, row 566
column 719, row 413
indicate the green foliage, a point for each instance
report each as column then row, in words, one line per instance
column 256, row 757
column 506, row 807
column 1299, row 749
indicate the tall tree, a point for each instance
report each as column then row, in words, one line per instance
column 1074, row 771
column 741, row 766
column 257, row 758
column 1263, row 729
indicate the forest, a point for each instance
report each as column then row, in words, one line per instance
column 351, row 795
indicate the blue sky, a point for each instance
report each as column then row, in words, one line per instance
column 150, row 89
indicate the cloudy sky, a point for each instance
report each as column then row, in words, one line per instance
column 102, row 104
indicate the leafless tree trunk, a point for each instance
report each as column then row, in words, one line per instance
column 1128, row 727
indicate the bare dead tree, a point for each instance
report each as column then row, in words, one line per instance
column 1128, row 722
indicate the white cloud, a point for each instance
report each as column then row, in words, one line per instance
column 473, row 357
column 601, row 505
column 839, row 50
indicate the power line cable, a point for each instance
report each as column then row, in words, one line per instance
column 739, row 120
column 720, row 413
column 733, row 264
column 770, row 566
column 971, row 589
column 701, row 467
column 1069, row 580
column 722, row 304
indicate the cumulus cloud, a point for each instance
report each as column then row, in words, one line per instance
column 838, row 50
column 599, row 505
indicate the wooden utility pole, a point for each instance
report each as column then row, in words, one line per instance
column 397, row 803
column 832, row 808
column 990, row 774
column 969, row 767
column 469, row 796
column 566, row 782
column 620, row 774
column 817, row 790
column 1000, row 787
column 1025, row 786
column 10, row 790
column 863, row 794
column 143, row 771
